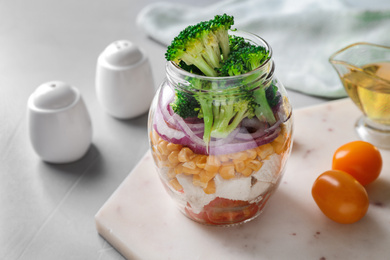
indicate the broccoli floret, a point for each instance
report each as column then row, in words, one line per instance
column 229, row 112
column 185, row 105
column 272, row 95
column 201, row 44
column 244, row 58
column 237, row 43
column 206, row 112
column 190, row 68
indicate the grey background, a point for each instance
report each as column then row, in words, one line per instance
column 47, row 210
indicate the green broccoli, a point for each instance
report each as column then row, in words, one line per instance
column 245, row 58
column 237, row 43
column 207, row 49
column 229, row 112
column 185, row 105
column 190, row 68
column 272, row 95
column 201, row 44
column 206, row 112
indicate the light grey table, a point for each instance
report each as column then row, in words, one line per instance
column 47, row 210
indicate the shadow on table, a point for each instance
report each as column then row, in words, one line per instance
column 379, row 192
column 74, row 169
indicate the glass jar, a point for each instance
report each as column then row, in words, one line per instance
column 222, row 172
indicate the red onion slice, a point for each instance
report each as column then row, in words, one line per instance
column 252, row 129
column 165, row 131
column 195, row 124
column 178, row 122
column 172, row 128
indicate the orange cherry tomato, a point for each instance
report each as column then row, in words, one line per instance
column 340, row 196
column 360, row 159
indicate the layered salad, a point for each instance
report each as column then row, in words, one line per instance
column 220, row 125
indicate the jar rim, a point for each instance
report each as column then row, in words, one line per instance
column 242, row 33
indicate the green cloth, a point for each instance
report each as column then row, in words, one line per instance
column 303, row 34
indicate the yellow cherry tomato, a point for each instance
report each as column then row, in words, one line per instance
column 340, row 196
column 360, row 159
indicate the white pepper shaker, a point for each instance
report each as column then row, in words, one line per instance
column 124, row 80
column 59, row 124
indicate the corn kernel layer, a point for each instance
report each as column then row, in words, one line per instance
column 178, row 159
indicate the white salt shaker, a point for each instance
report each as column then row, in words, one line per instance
column 124, row 80
column 59, row 124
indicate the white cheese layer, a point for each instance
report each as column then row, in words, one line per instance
column 243, row 188
column 194, row 195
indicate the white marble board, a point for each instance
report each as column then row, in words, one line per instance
column 141, row 222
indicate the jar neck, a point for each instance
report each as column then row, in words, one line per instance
column 260, row 77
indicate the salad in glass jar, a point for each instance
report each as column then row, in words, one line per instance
column 220, row 125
